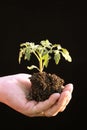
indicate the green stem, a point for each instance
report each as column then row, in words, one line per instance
column 36, row 56
column 41, row 65
column 40, row 61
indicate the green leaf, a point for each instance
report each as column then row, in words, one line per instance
column 43, row 53
column 32, row 67
column 46, row 59
column 27, row 53
column 59, row 47
column 24, row 44
column 66, row 55
column 33, row 47
column 46, row 43
column 57, row 57
column 21, row 53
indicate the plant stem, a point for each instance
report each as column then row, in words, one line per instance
column 40, row 65
column 36, row 56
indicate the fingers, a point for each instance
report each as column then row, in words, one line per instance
column 63, row 101
column 54, row 108
column 60, row 105
column 42, row 114
column 68, row 87
column 43, row 106
column 55, row 104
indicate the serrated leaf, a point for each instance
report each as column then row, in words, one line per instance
column 27, row 53
column 65, row 51
column 22, row 51
column 46, row 43
column 43, row 53
column 46, row 59
column 57, row 57
column 66, row 55
column 32, row 46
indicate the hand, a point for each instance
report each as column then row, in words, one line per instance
column 13, row 92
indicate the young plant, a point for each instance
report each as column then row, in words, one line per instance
column 43, row 53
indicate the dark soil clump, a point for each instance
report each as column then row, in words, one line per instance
column 43, row 85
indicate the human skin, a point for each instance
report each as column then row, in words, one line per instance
column 14, row 89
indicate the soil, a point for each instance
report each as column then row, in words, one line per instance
column 43, row 85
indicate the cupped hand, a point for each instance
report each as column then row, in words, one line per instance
column 14, row 90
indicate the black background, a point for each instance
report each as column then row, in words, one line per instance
column 60, row 22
